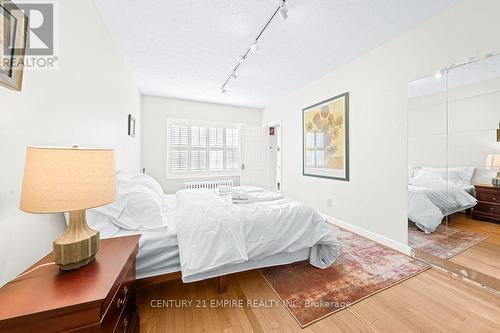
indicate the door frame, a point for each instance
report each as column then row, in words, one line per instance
column 275, row 123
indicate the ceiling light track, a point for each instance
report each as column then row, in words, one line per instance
column 254, row 46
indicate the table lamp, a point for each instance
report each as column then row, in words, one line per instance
column 69, row 180
column 493, row 162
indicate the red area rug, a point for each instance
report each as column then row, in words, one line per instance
column 363, row 268
column 444, row 242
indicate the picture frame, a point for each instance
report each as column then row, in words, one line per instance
column 131, row 126
column 325, row 139
column 13, row 37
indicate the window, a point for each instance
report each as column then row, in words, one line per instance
column 198, row 149
column 315, row 151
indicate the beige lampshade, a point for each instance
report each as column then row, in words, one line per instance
column 67, row 179
column 493, row 161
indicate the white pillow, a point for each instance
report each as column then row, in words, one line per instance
column 141, row 178
column 149, row 182
column 456, row 176
column 122, row 175
column 136, row 207
column 412, row 171
column 99, row 222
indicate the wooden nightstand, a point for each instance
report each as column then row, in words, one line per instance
column 99, row 297
column 488, row 203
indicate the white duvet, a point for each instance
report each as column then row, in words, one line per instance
column 428, row 204
column 212, row 232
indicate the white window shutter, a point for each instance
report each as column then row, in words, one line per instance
column 216, row 137
column 198, row 160
column 178, row 161
column 197, row 149
column 179, row 135
column 216, row 160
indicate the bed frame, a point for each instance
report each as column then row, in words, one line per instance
column 152, row 280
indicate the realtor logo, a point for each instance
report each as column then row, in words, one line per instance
column 40, row 38
column 41, row 35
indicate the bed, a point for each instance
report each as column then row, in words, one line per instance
column 434, row 193
column 203, row 234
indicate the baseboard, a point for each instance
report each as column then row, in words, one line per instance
column 403, row 248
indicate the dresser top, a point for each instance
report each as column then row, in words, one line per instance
column 47, row 288
column 487, row 186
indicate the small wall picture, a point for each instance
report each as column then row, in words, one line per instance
column 131, row 125
column 271, row 130
column 13, row 30
column 326, row 138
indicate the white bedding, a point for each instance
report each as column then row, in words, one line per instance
column 213, row 233
column 429, row 203
column 158, row 251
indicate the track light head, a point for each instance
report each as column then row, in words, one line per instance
column 222, row 89
column 254, row 47
column 241, row 59
column 234, row 76
column 283, row 11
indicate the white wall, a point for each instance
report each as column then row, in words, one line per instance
column 156, row 110
column 84, row 102
column 461, row 132
column 375, row 198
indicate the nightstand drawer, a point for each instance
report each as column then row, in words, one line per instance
column 123, row 296
column 484, row 207
column 488, row 196
column 125, row 323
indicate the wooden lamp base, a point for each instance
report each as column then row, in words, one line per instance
column 78, row 245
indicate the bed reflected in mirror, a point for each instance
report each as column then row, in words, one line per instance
column 453, row 157
column 427, row 166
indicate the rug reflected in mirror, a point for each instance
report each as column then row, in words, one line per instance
column 363, row 268
column 444, row 242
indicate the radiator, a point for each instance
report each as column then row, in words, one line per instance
column 209, row 184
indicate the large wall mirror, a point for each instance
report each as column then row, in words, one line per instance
column 453, row 160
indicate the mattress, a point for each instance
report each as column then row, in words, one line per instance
column 159, row 252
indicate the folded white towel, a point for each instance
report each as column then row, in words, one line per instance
column 239, row 197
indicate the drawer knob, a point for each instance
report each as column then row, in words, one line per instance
column 494, row 198
column 120, row 302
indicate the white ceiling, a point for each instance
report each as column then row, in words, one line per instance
column 186, row 48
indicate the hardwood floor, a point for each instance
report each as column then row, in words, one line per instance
column 485, row 256
column 431, row 301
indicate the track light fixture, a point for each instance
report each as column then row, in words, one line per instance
column 283, row 10
column 254, row 47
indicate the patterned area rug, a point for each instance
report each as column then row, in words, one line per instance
column 363, row 268
column 442, row 243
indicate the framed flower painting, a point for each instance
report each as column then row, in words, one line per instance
column 325, row 140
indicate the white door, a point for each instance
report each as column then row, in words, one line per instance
column 253, row 162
